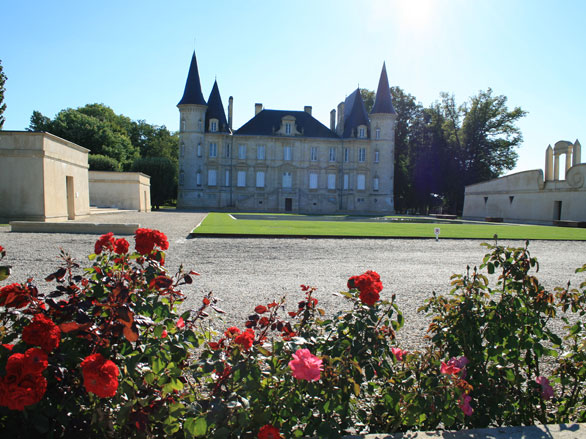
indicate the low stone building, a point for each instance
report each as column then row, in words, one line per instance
column 42, row 177
column 120, row 190
column 46, row 178
column 286, row 161
column 534, row 196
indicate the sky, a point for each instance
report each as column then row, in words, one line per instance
column 133, row 56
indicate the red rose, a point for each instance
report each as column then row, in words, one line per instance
column 147, row 239
column 369, row 285
column 23, row 383
column 245, row 339
column 269, row 432
column 231, row 332
column 100, row 376
column 105, row 242
column 42, row 332
column 121, row 246
column 35, row 361
column 15, row 296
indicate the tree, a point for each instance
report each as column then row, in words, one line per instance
column 98, row 128
column 2, row 90
column 482, row 136
column 163, row 173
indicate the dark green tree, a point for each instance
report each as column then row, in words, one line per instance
column 2, row 90
column 482, row 136
column 98, row 162
column 98, row 128
column 163, row 173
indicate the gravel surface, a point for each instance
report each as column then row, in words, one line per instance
column 249, row 271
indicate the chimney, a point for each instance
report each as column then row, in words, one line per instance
column 257, row 108
column 333, row 120
column 230, row 110
column 307, row 109
column 340, row 118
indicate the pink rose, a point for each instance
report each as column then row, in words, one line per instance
column 305, row 366
column 398, row 353
column 546, row 389
column 449, row 369
column 464, row 404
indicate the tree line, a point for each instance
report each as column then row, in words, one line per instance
column 117, row 143
column 442, row 148
column 439, row 149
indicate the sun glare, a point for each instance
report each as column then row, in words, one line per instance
column 406, row 14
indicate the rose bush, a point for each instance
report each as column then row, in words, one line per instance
column 108, row 353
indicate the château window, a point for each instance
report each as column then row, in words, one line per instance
column 182, row 150
column 377, row 134
column 314, row 153
column 287, row 153
column 199, row 149
column 213, row 125
column 183, row 124
column 260, row 152
column 242, row 152
column 241, row 179
column 198, row 178
column 375, row 184
column 213, row 150
column 361, row 132
column 287, row 180
column 312, row 181
column 227, row 178
column 287, row 128
column 332, row 154
column 227, row 150
column 260, row 179
column 360, row 182
column 376, row 155
column 346, row 155
column 362, row 155
column 331, row 181
column 346, row 181
column 212, row 174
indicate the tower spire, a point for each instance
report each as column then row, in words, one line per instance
column 192, row 93
column 383, row 102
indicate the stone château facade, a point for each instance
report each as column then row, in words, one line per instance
column 286, row 161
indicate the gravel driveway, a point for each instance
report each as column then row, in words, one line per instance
column 249, row 271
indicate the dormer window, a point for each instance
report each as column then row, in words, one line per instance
column 213, row 125
column 288, row 126
column 362, row 132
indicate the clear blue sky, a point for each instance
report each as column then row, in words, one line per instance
column 134, row 56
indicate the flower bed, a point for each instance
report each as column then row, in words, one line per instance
column 106, row 353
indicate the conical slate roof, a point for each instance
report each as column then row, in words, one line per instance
column 192, row 93
column 383, row 102
column 216, row 110
column 354, row 113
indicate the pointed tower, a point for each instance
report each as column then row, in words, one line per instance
column 192, row 114
column 215, row 116
column 382, row 136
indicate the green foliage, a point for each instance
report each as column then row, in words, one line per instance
column 444, row 147
column 98, row 128
column 2, row 91
column 98, row 162
column 163, row 173
column 491, row 357
column 506, row 334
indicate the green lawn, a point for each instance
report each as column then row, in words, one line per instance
column 222, row 223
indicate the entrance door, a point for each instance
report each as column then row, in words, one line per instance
column 557, row 210
column 288, row 204
column 70, row 198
